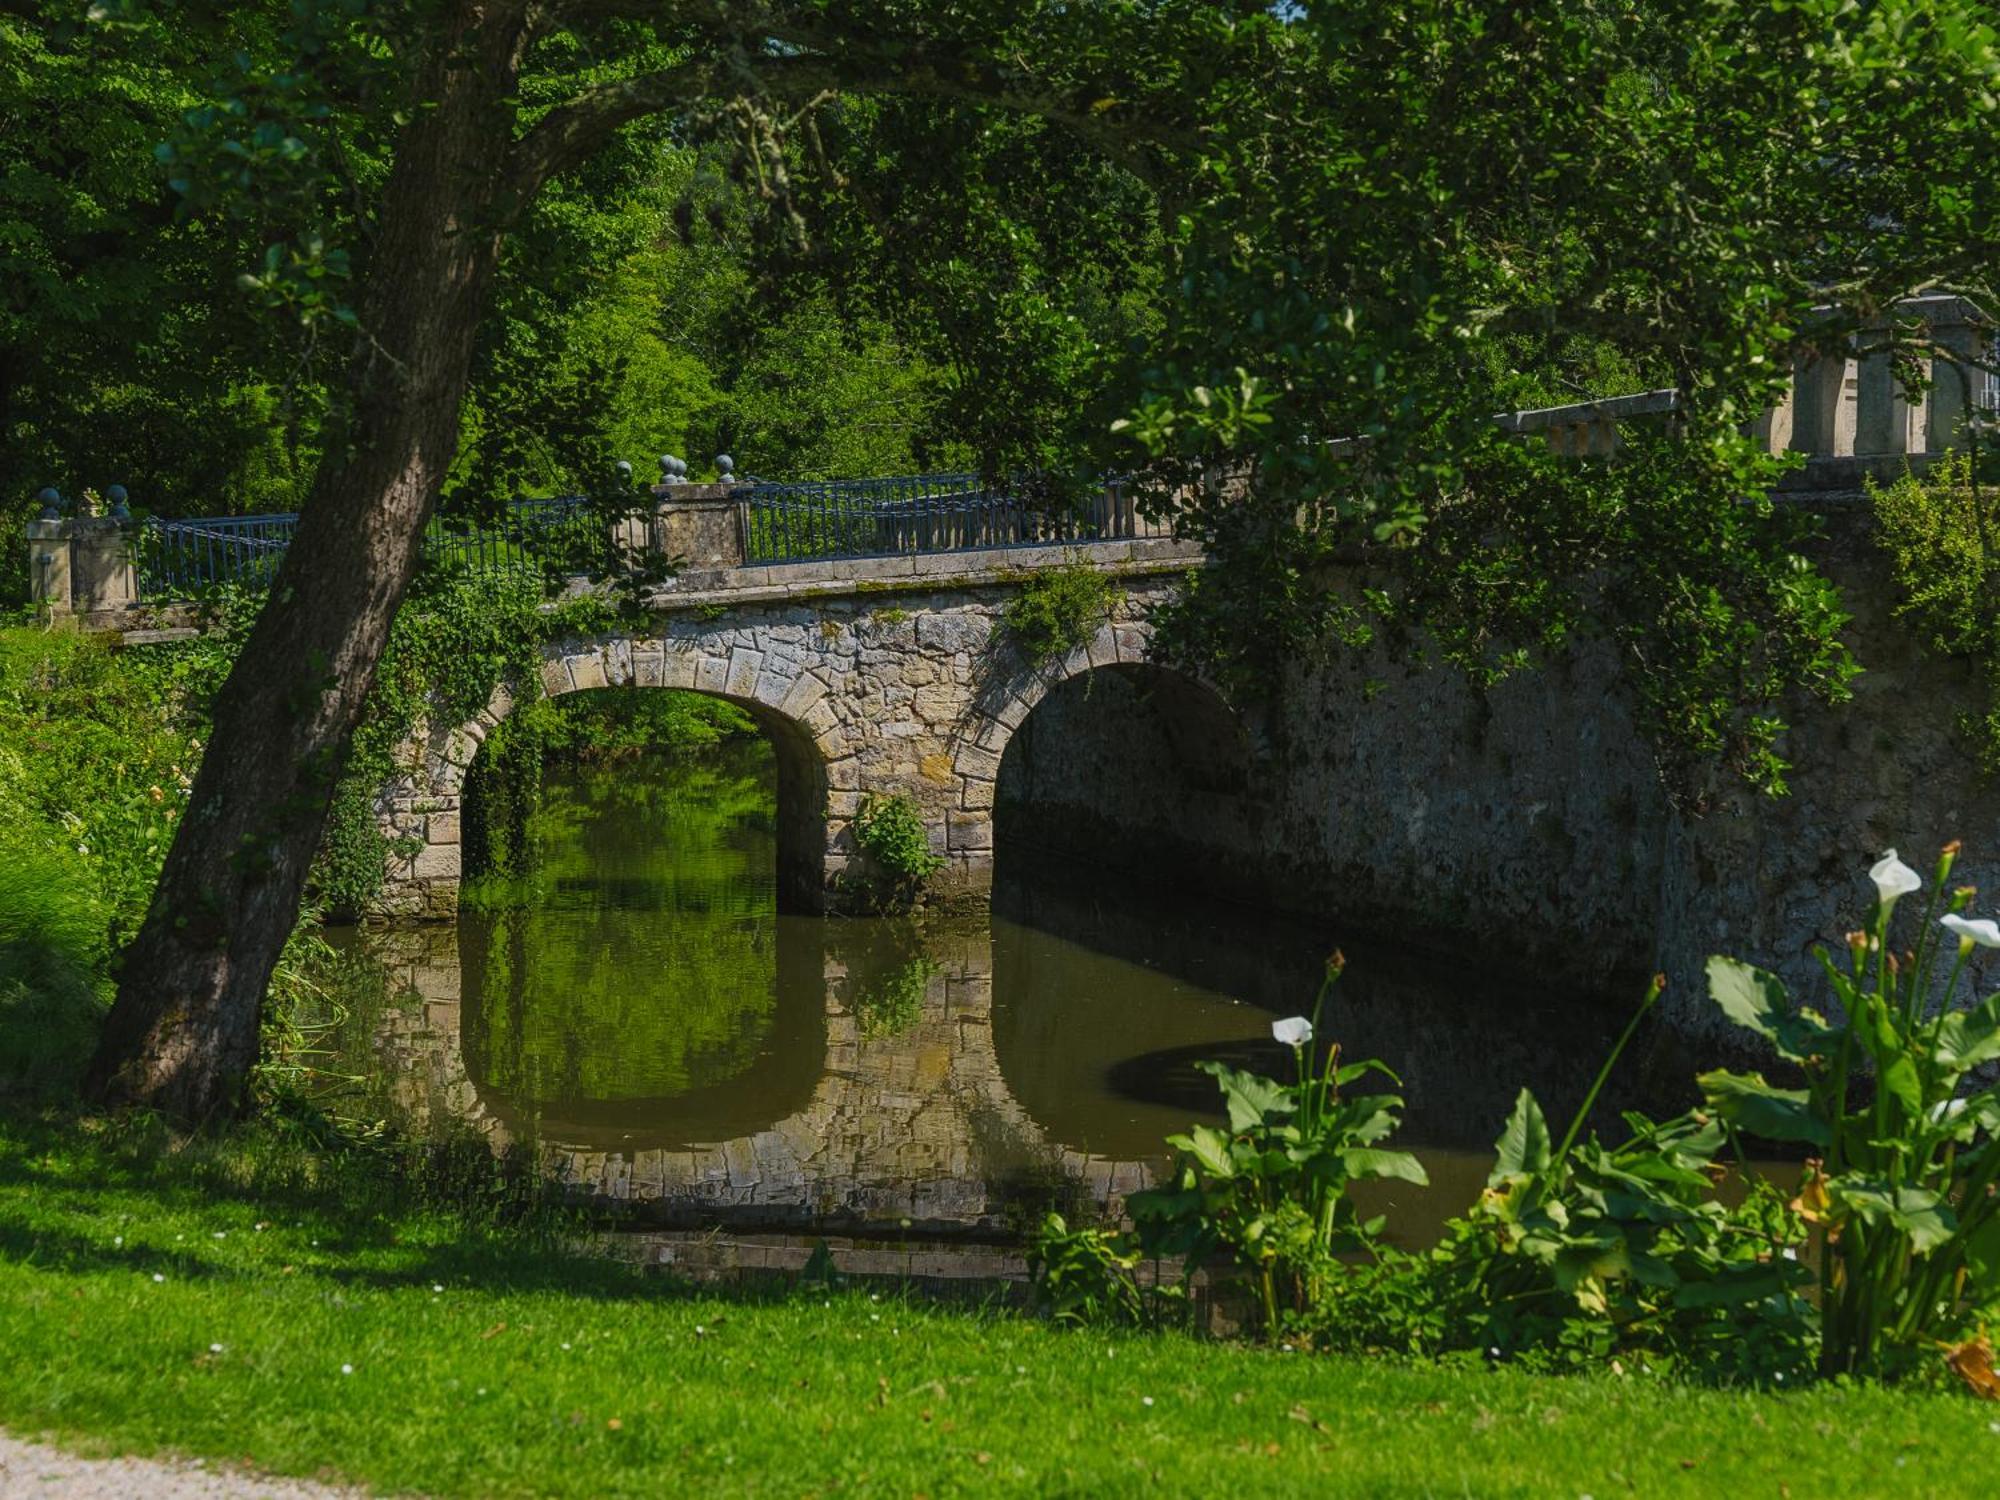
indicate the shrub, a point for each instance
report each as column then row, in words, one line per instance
column 1059, row 610
column 890, row 831
column 1900, row 1191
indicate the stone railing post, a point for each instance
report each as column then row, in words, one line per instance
column 697, row 523
column 48, row 556
column 1958, row 329
column 1851, row 406
column 82, row 565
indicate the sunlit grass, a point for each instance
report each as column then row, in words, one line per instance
column 254, row 1299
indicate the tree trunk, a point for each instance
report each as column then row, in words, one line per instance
column 184, row 1031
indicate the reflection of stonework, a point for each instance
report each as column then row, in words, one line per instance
column 908, row 692
column 916, row 1126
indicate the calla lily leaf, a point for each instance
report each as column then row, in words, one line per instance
column 1757, row 1000
column 1524, row 1146
column 1917, row 1212
column 1746, row 1101
column 1967, row 1038
column 1367, row 1161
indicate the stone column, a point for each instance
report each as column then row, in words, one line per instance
column 699, row 523
column 102, row 578
column 48, row 557
column 1955, row 324
column 1823, row 407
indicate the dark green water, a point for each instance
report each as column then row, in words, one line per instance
column 641, row 1013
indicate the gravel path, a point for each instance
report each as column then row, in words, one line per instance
column 36, row 1469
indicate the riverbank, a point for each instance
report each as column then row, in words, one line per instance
column 309, row 1313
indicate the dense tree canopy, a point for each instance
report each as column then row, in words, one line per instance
column 445, row 249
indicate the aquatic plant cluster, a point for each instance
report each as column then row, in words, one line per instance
column 1668, row 1247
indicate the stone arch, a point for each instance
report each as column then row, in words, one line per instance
column 420, row 810
column 1200, row 789
column 1120, row 647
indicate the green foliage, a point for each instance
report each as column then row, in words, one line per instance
column 1267, row 1196
column 1900, row 1190
column 1092, row 1275
column 1939, row 532
column 1562, row 200
column 1270, row 1192
column 1057, row 610
column 890, row 832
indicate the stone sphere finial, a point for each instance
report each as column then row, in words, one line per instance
column 726, row 467
column 120, row 509
column 671, row 469
column 623, row 470
column 51, row 499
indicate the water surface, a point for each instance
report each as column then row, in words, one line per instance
column 640, row 1012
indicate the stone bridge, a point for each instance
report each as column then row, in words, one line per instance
column 869, row 676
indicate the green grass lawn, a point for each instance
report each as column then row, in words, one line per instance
column 263, row 1309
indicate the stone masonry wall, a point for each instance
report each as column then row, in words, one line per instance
column 913, row 690
column 1523, row 832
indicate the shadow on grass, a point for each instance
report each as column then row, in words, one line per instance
column 377, row 1216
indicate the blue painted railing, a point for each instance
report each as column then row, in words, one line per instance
column 182, row 559
column 801, row 522
column 779, row 523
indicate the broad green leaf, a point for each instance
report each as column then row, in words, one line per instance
column 1251, row 1097
column 1967, row 1038
column 1733, row 1285
column 1209, row 1147
column 1757, row 1001
column 1348, row 1072
column 1524, row 1146
column 1370, row 1161
column 1746, row 1101
column 1917, row 1212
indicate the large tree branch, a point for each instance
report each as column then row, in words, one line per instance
column 813, row 62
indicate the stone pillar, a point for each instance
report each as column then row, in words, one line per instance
column 699, row 523
column 1954, row 324
column 82, row 565
column 48, row 565
column 1823, row 407
column 102, row 577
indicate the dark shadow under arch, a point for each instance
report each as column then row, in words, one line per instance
column 1136, row 769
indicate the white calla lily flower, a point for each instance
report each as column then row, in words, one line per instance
column 1893, row 879
column 1293, row 1031
column 1947, row 1109
column 1981, row 930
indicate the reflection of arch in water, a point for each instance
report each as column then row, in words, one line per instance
column 916, row 1125
column 767, row 1067
column 1133, row 765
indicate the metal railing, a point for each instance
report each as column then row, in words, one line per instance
column 185, row 559
column 853, row 518
column 576, row 535
column 182, row 559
